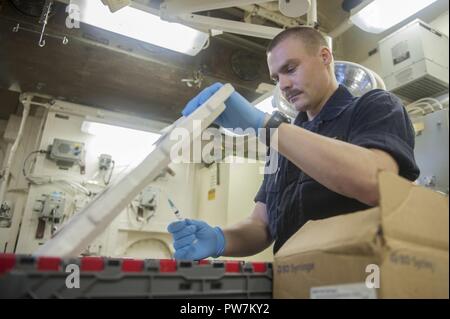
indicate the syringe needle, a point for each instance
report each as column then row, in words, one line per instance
column 174, row 209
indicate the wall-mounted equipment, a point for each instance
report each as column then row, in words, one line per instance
column 106, row 168
column 148, row 198
column 5, row 215
column 147, row 202
column 66, row 153
column 104, row 162
column 294, row 9
column 50, row 208
column 415, row 61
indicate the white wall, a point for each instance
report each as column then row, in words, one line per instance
column 126, row 236
column 245, row 181
column 213, row 208
column 17, row 187
column 233, row 201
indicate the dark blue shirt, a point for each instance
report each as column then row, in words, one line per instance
column 376, row 120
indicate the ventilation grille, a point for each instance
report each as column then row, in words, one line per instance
column 424, row 87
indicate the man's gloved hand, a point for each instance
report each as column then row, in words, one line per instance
column 195, row 240
column 239, row 113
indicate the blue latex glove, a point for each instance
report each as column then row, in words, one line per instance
column 195, row 240
column 239, row 113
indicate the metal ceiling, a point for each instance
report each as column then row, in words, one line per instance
column 105, row 70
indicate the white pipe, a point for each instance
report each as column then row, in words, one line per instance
column 270, row 15
column 41, row 128
column 7, row 169
column 312, row 14
column 27, row 101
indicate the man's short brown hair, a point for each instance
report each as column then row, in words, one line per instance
column 312, row 39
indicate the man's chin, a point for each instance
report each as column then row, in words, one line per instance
column 300, row 107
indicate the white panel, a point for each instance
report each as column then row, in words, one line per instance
column 441, row 23
column 175, row 7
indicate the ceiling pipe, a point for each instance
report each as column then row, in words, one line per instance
column 312, row 14
column 271, row 16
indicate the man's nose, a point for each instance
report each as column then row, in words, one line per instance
column 284, row 82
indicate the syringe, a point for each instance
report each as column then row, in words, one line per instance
column 175, row 210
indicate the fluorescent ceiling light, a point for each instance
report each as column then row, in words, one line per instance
column 126, row 145
column 142, row 26
column 118, row 132
column 376, row 16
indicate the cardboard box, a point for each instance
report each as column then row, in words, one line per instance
column 396, row 250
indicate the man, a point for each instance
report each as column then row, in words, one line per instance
column 329, row 157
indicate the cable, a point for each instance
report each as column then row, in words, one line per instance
column 424, row 106
column 40, row 180
column 26, row 160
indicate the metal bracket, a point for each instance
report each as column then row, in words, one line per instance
column 196, row 80
column 18, row 27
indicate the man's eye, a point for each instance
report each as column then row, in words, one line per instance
column 291, row 69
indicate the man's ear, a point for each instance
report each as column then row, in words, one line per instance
column 326, row 56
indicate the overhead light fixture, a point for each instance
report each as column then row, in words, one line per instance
column 376, row 16
column 115, row 133
column 142, row 26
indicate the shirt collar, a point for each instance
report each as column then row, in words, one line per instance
column 335, row 105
